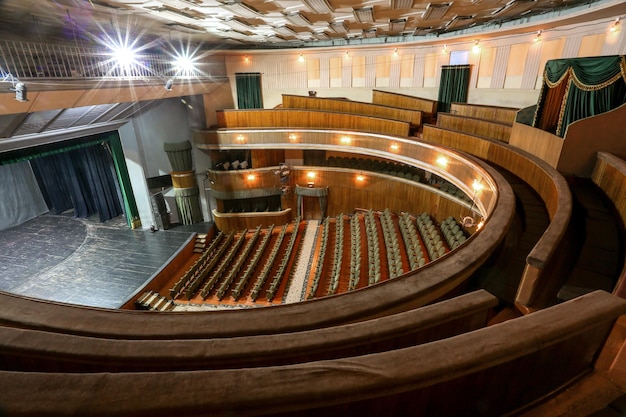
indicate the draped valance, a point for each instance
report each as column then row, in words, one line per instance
column 576, row 88
column 179, row 155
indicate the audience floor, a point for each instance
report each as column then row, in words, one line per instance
column 83, row 261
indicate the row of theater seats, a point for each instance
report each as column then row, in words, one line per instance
column 320, row 259
column 278, row 276
column 231, row 165
column 397, row 170
column 374, row 165
column 373, row 249
column 252, row 264
column 197, row 272
column 355, row 252
column 419, row 248
column 152, row 300
column 238, row 263
column 411, row 242
column 392, row 245
column 335, row 273
column 431, row 237
column 453, row 232
column 258, row 285
column 216, row 274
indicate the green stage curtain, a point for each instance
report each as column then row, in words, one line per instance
column 130, row 206
column 453, row 86
column 179, row 155
column 249, row 90
column 577, row 88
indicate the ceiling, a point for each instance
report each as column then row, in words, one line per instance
column 254, row 23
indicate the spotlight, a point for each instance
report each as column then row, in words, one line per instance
column 124, row 56
column 185, row 65
column 169, row 84
column 20, row 92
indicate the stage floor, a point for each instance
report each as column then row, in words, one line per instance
column 84, row 261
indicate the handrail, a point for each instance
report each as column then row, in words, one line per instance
column 549, row 184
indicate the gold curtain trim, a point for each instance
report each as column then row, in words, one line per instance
column 565, row 75
column 539, row 107
column 563, row 104
column 596, row 87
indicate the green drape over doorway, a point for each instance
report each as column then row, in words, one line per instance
column 453, row 86
column 249, row 90
column 575, row 88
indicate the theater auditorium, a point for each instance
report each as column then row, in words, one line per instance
column 312, row 208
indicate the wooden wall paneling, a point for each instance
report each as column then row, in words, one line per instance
column 585, row 136
column 266, row 157
column 378, row 192
column 239, row 221
column 309, row 119
column 504, row 115
column 480, row 127
column 353, row 107
column 403, row 101
column 540, row 143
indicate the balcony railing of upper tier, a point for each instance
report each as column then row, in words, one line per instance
column 39, row 60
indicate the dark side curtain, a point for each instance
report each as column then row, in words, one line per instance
column 576, row 88
column 453, row 86
column 82, row 179
column 249, row 90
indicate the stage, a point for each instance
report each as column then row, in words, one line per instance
column 84, row 261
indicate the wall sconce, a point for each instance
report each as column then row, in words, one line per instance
column 360, row 178
column 301, row 58
column 476, row 48
column 445, row 49
column 168, row 85
column 251, row 177
column 345, row 140
column 310, row 176
column 537, row 37
column 240, row 138
column 442, row 161
column 347, row 55
column 246, row 59
column 394, row 147
column 395, row 53
column 293, row 137
column 615, row 26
